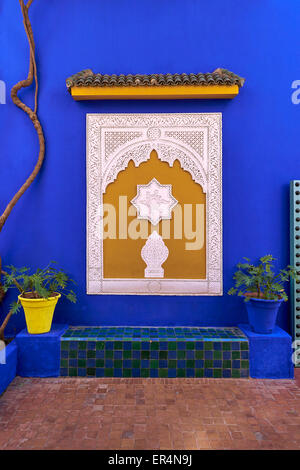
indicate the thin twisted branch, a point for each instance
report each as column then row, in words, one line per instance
column 32, row 74
column 4, row 324
column 31, row 113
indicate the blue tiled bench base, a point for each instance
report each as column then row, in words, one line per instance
column 154, row 352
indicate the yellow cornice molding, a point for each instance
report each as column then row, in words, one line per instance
column 165, row 92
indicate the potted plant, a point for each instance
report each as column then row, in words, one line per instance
column 39, row 293
column 263, row 291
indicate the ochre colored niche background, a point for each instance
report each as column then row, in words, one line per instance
column 122, row 257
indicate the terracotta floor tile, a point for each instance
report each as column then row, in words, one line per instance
column 140, row 444
column 127, row 444
column 152, row 414
column 203, row 444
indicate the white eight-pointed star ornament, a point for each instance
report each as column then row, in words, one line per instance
column 154, row 201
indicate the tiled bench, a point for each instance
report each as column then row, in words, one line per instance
column 154, row 352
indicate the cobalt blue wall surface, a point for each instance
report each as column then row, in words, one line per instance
column 39, row 355
column 270, row 355
column 257, row 40
column 8, row 370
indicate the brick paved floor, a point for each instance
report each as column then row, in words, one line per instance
column 81, row 413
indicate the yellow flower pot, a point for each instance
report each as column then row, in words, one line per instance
column 39, row 313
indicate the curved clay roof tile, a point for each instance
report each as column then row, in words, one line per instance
column 219, row 76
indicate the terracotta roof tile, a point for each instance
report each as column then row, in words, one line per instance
column 220, row 76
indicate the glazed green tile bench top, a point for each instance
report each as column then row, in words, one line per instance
column 154, row 334
column 154, row 352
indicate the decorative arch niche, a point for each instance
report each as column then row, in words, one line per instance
column 118, row 143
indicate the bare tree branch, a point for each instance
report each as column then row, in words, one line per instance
column 32, row 114
column 32, row 74
column 4, row 323
column 28, row 4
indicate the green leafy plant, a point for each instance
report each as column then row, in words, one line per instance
column 42, row 284
column 260, row 281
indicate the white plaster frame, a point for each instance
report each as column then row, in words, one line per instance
column 195, row 139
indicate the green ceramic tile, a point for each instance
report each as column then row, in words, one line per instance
column 136, row 345
column 208, row 364
column 127, row 372
column 153, row 364
column 172, row 364
column 82, row 345
column 163, row 373
column 154, row 346
column 236, row 373
column 244, row 345
column 245, row 364
column 100, row 345
column 91, row 371
column 91, row 354
column 99, row 362
column 163, row 354
column 217, row 355
column 217, row 373
column 208, row 346
column 73, row 354
column 145, row 354
column 199, row 372
column 199, row 354
column 118, row 345
column 180, row 354
column 226, row 346
column 136, row 364
column 190, row 364
column 226, row 364
column 145, row 373
column 117, row 364
column 109, row 354
column 82, row 362
column 172, row 346
column 64, row 345
column 235, row 354
column 73, row 372
column 108, row 372
column 127, row 354
column 64, row 363
column 180, row 373
column 190, row 345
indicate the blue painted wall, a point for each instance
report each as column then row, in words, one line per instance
column 257, row 39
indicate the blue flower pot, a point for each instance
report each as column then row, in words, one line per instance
column 262, row 314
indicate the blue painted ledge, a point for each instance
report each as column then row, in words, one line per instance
column 270, row 355
column 9, row 369
column 39, row 355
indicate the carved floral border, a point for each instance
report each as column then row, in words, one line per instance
column 193, row 139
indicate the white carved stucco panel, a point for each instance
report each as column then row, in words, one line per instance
column 195, row 140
